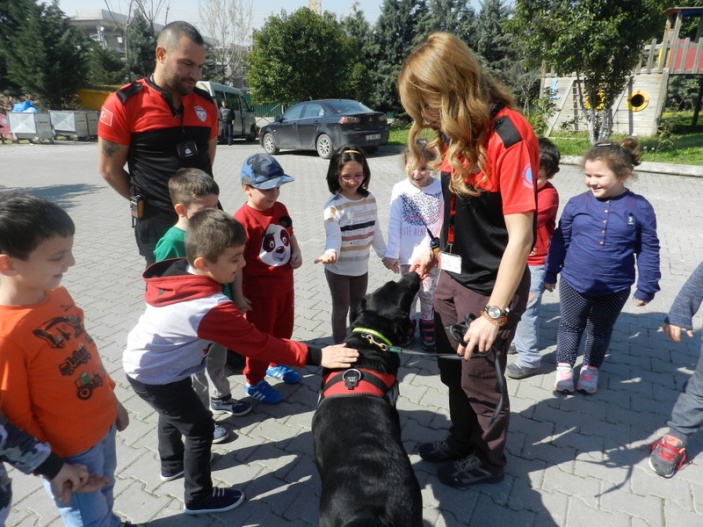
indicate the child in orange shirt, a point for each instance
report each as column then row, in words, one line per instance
column 52, row 382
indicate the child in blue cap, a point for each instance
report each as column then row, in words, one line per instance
column 264, row 288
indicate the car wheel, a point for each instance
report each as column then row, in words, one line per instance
column 269, row 144
column 324, row 146
column 251, row 136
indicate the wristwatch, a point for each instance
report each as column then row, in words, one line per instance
column 496, row 315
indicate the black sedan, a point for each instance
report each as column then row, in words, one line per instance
column 325, row 125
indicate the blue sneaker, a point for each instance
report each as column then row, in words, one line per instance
column 230, row 406
column 264, row 392
column 220, row 434
column 221, row 500
column 283, row 373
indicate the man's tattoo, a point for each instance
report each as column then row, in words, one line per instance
column 110, row 148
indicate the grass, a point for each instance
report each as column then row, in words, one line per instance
column 677, row 142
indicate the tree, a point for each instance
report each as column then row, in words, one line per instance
column 299, row 57
column 598, row 41
column 45, row 55
column 141, row 45
column 393, row 38
column 450, row 16
column 492, row 41
column 357, row 28
column 229, row 22
column 104, row 66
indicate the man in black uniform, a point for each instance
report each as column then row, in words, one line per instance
column 226, row 118
column 155, row 126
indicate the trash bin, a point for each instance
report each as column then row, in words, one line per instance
column 70, row 123
column 27, row 125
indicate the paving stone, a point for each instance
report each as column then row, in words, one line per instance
column 572, row 460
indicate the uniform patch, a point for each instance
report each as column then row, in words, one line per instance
column 201, row 113
column 106, row 117
column 527, row 176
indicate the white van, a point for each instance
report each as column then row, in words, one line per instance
column 244, row 120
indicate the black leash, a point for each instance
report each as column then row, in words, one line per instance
column 457, row 332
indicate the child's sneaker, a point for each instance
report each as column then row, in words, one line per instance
column 427, row 335
column 264, row 392
column 231, row 406
column 170, row 476
column 220, row 501
column 283, row 373
column 564, row 382
column 588, row 380
column 668, row 455
column 410, row 337
column 220, row 434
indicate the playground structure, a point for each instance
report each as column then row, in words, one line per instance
column 638, row 108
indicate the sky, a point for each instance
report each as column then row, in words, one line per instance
column 188, row 9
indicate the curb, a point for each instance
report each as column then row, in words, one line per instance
column 670, row 169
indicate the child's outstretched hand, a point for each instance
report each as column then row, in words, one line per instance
column 338, row 356
column 328, row 258
column 640, row 303
column 392, row 264
column 674, row 332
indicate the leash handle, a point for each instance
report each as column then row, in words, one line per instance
column 458, row 330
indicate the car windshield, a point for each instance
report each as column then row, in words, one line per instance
column 349, row 107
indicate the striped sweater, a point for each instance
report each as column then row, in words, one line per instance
column 352, row 228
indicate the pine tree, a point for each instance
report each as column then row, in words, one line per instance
column 393, row 39
column 45, row 55
column 141, row 45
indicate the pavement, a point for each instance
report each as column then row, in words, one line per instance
column 572, row 460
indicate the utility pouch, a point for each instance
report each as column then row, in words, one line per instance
column 136, row 207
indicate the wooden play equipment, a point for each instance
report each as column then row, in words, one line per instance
column 638, row 108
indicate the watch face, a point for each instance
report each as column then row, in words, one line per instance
column 493, row 312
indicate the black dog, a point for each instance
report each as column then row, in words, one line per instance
column 367, row 479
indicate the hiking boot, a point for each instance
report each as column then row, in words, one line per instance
column 227, row 405
column 264, row 392
column 668, row 455
column 588, row 380
column 427, row 335
column 515, row 371
column 410, row 336
column 564, row 382
column 437, row 452
column 283, row 373
column 221, row 500
column 467, row 471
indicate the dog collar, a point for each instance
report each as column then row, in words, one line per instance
column 373, row 333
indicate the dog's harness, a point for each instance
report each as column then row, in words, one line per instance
column 456, row 331
column 362, row 381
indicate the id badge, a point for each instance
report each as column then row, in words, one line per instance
column 450, row 262
column 187, row 149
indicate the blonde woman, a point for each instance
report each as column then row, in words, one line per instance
column 490, row 157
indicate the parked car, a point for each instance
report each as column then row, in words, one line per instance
column 325, row 125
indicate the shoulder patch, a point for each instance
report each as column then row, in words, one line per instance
column 126, row 92
column 204, row 94
column 506, row 130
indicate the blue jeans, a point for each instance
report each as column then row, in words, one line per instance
column 93, row 509
column 527, row 333
column 687, row 415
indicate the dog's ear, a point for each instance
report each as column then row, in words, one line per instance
column 401, row 326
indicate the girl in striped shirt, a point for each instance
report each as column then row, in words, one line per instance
column 351, row 227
